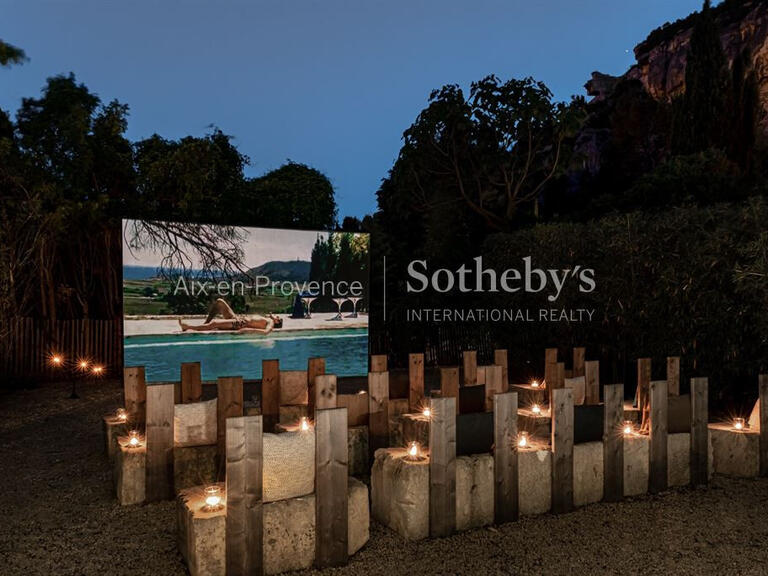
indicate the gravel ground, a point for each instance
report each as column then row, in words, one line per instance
column 60, row 516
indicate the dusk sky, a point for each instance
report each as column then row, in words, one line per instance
column 332, row 84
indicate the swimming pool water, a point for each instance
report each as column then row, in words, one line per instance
column 345, row 353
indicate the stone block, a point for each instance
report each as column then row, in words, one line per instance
column 534, row 480
column 734, row 452
column 289, row 531
column 289, row 464
column 201, row 533
column 292, row 414
column 193, row 466
column 587, row 473
column 357, row 444
column 400, row 493
column 474, row 491
column 113, row 428
column 130, row 472
column 195, row 424
column 636, row 455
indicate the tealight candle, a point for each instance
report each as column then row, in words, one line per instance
column 83, row 365
column 121, row 415
column 213, row 498
column 57, row 360
column 628, row 427
column 536, row 409
column 304, row 423
column 535, row 384
column 739, row 424
column 414, row 450
column 134, row 439
column 522, row 439
column 427, row 412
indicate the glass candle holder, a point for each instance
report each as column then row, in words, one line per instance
column 426, row 412
column 213, row 498
column 628, row 427
column 536, row 409
column 414, row 451
column 304, row 425
column 535, row 384
column 739, row 424
column 522, row 439
column 121, row 415
column 134, row 439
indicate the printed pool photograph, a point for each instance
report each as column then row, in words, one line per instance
column 230, row 297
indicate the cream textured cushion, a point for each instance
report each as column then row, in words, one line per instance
column 289, row 465
column 194, row 424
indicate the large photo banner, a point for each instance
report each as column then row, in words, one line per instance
column 229, row 297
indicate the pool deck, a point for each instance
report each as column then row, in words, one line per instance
column 157, row 325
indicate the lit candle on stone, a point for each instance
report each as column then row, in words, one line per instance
column 522, row 439
column 738, row 424
column 213, row 498
column 628, row 427
column 536, row 409
column 304, row 423
column 535, row 384
column 427, row 412
column 57, row 360
column 98, row 370
column 121, row 414
column 414, row 451
column 134, row 439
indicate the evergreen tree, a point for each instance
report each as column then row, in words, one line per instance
column 701, row 116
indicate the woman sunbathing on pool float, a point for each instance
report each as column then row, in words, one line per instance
column 233, row 322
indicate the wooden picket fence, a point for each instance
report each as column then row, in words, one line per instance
column 27, row 344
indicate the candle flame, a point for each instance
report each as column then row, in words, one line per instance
column 98, row 370
column 627, row 429
column 536, row 409
column 738, row 424
column 304, row 423
column 133, row 439
column 535, row 384
column 413, row 450
column 522, row 441
column 57, row 360
column 213, row 499
column 427, row 412
column 82, row 364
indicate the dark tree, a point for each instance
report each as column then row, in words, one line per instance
column 10, row 55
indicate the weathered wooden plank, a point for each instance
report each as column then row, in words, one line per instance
column 699, row 431
column 469, row 365
column 315, row 367
column 270, row 393
column 657, row 469
column 324, row 390
column 579, row 355
column 592, row 381
column 245, row 473
column 159, row 439
column 449, row 383
column 357, row 408
column 229, row 404
column 763, row 384
column 331, row 500
column 135, row 392
column 550, row 366
column 415, row 382
column 379, row 363
column 673, row 375
column 442, row 467
column 378, row 411
column 643, row 390
column 562, row 450
column 191, row 383
column 293, row 387
column 506, row 490
column 613, row 443
column 493, row 385
column 501, row 358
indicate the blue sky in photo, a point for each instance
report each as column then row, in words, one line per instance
column 332, row 84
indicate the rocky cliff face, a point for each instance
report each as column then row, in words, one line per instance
column 662, row 56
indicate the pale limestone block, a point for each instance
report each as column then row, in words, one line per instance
column 735, row 453
column 474, row 491
column 587, row 473
column 534, row 480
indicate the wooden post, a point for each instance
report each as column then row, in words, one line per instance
column 315, row 367
column 135, row 391
column 442, row 467
column 229, row 404
column 557, row 379
column 379, row 363
column 324, row 391
column 763, row 384
column 492, row 385
column 270, row 393
column 592, row 382
column 245, row 521
column 613, row 443
column 550, row 366
column 378, row 411
column 500, row 358
column 643, row 388
column 578, row 361
column 562, row 450
column 469, row 361
column 673, row 375
column 159, row 439
column 449, row 383
column 191, row 383
column 416, row 382
column 331, row 500
column 506, row 491
column 699, row 431
column 657, row 470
